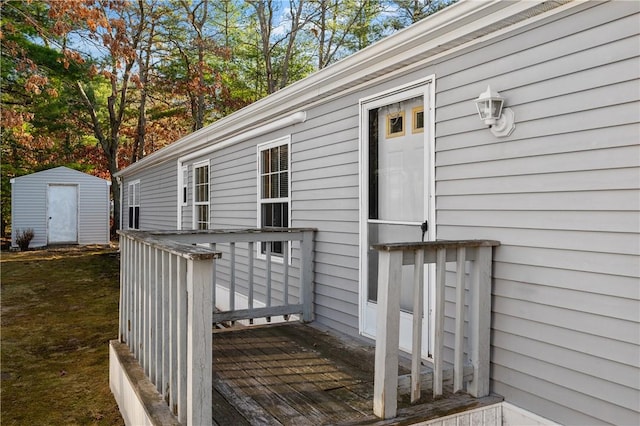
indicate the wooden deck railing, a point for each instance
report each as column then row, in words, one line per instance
column 165, row 319
column 254, row 259
column 391, row 259
column 167, row 299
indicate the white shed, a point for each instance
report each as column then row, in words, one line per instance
column 62, row 206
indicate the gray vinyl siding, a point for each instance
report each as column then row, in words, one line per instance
column 325, row 184
column 234, row 185
column 29, row 209
column 562, row 195
column 93, row 211
column 29, row 205
column 158, row 198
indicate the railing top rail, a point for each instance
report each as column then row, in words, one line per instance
column 231, row 235
column 435, row 245
column 229, row 231
column 187, row 251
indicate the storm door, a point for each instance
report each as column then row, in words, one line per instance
column 395, row 197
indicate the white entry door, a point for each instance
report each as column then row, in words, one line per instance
column 62, row 214
column 396, row 204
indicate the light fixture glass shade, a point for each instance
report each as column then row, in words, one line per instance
column 489, row 105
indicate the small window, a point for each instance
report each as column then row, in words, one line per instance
column 273, row 191
column 417, row 115
column 134, row 205
column 185, row 185
column 201, row 196
column 395, row 124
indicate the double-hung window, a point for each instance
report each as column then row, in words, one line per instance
column 273, row 188
column 134, row 204
column 201, row 195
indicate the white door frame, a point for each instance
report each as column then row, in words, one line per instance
column 425, row 88
column 77, row 215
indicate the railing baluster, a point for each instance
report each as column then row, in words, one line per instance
column 212, row 246
column 438, row 349
column 418, row 303
column 163, row 381
column 459, row 330
column 285, row 270
column 173, row 339
column 156, row 333
column 268, row 273
column 136, row 301
column 181, row 300
column 148, row 314
column 268, row 277
column 143, row 307
column 232, row 281
column 251, row 256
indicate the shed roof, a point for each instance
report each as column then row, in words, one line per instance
column 57, row 172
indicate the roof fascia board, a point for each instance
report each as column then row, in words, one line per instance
column 451, row 23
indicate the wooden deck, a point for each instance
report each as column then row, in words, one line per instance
column 294, row 374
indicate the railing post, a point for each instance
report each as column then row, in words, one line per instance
column 124, row 259
column 181, row 339
column 480, row 320
column 306, row 275
column 385, row 385
column 438, row 347
column 199, row 356
column 458, row 360
column 418, row 303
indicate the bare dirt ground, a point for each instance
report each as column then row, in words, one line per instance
column 59, row 309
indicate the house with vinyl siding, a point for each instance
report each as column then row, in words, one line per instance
column 371, row 148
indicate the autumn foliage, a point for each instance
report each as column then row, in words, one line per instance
column 99, row 84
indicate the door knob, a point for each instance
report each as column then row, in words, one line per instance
column 424, row 227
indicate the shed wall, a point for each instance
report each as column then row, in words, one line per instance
column 29, row 205
column 29, row 210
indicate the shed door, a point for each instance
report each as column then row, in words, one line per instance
column 396, row 188
column 62, row 214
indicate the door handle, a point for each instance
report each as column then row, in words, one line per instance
column 424, row 227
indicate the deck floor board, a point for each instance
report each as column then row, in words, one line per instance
column 296, row 374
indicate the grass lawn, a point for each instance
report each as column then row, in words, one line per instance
column 59, row 311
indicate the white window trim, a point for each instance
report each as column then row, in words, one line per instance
column 194, row 213
column 131, row 189
column 285, row 140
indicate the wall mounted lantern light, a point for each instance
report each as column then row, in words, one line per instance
column 490, row 108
